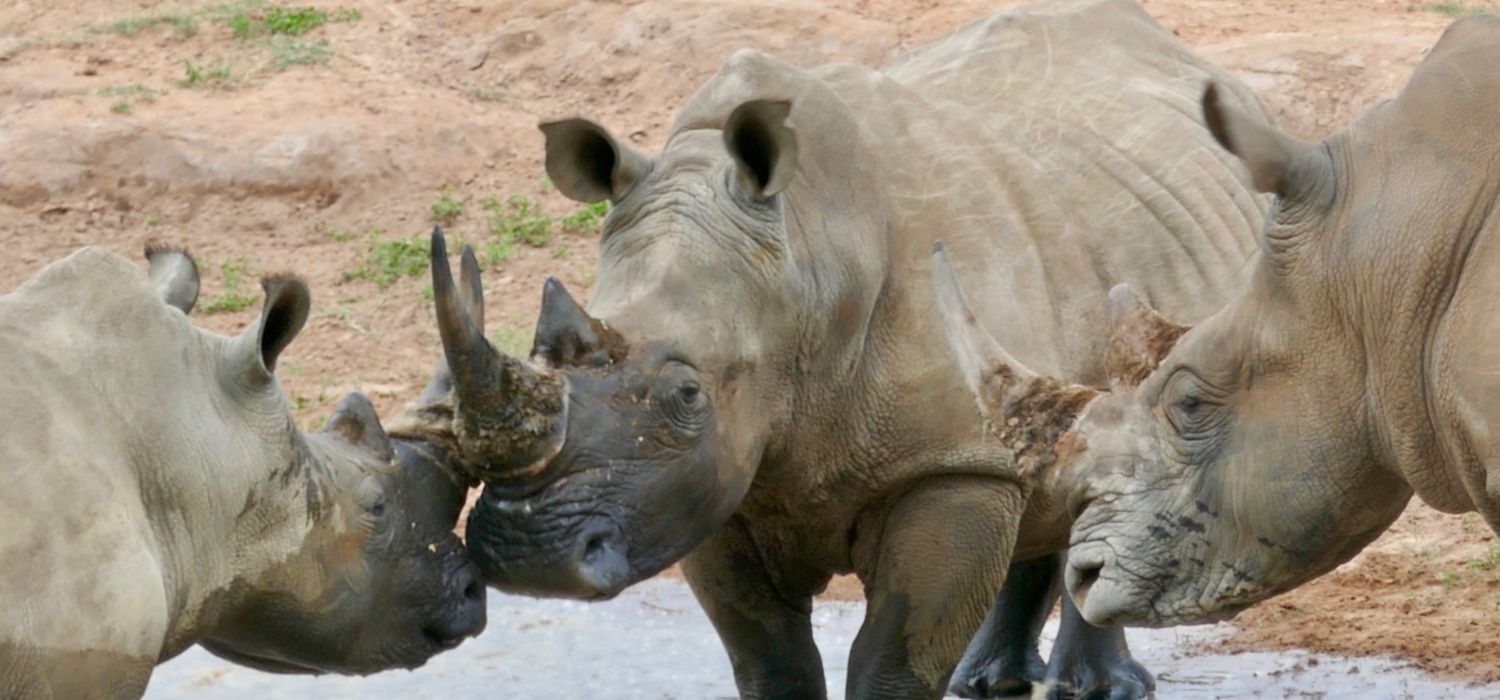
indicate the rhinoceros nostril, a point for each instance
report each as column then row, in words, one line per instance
column 1085, row 576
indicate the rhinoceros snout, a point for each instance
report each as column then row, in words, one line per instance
column 466, row 615
column 583, row 556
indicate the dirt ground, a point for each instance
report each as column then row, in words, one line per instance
column 327, row 152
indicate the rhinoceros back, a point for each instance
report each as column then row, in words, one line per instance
column 1058, row 150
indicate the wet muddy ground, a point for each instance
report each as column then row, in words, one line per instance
column 652, row 643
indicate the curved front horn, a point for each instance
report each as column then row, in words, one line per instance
column 509, row 418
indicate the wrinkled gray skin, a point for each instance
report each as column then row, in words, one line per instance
column 157, row 494
column 1280, row 436
column 759, row 378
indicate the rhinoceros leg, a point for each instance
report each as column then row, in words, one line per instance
column 768, row 634
column 1093, row 663
column 1003, row 660
column 934, row 571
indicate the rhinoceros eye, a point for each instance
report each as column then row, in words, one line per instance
column 690, row 393
column 1191, row 405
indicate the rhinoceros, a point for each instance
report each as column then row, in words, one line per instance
column 1272, row 441
column 157, row 494
column 759, row 383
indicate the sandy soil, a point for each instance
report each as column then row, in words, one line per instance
column 127, row 120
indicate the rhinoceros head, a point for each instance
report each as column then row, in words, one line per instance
column 635, row 428
column 1272, row 441
column 373, row 576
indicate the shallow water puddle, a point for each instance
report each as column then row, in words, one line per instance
column 652, row 643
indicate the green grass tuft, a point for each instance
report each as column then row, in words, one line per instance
column 184, row 26
column 235, row 296
column 288, row 51
column 198, row 76
column 586, row 219
column 447, row 208
column 518, row 218
column 390, row 259
column 1458, row 9
column 1489, row 561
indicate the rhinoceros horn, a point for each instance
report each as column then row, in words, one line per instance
column 508, row 417
column 1028, row 412
column 567, row 336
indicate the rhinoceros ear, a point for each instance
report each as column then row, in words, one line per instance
column 356, row 422
column 1269, row 154
column 174, row 275
column 285, row 312
column 1139, row 340
column 763, row 145
column 587, row 164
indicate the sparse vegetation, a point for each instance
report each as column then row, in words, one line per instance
column 447, row 208
column 199, row 77
column 518, row 218
column 587, row 218
column 258, row 18
column 487, row 94
column 128, row 96
column 338, row 235
column 290, row 51
column 235, row 296
column 495, row 252
column 1448, row 579
column 390, row 259
column 1458, row 9
column 1489, row 561
column 182, row 25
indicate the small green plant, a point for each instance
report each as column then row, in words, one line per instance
column 447, row 208
column 390, row 259
column 1448, row 579
column 234, row 297
column 289, row 51
column 513, row 342
column 252, row 19
column 1489, row 561
column 1458, row 9
column 294, row 21
column 184, row 26
column 562, row 253
column 587, row 218
column 129, row 96
column 486, row 94
column 495, row 252
column 198, row 76
column 338, row 235
column 518, row 218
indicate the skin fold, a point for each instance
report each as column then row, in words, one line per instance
column 1272, row 441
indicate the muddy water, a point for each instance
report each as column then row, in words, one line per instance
column 652, row 643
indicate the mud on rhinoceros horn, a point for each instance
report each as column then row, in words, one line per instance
column 1139, row 338
column 509, row 418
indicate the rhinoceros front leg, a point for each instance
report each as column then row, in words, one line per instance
column 1003, row 660
column 768, row 636
column 1093, row 662
column 938, row 562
